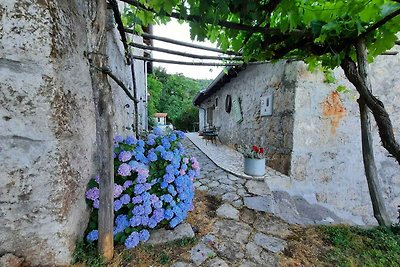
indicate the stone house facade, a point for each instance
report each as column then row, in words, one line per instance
column 311, row 131
column 48, row 121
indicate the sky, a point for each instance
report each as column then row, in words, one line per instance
column 175, row 30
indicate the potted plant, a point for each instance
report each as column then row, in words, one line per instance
column 254, row 160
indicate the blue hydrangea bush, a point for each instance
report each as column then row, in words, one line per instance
column 153, row 187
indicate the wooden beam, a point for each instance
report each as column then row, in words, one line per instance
column 173, row 41
column 213, row 64
column 183, row 54
column 389, row 53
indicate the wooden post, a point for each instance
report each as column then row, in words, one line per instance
column 371, row 172
column 104, row 133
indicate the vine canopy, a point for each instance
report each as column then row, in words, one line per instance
column 316, row 31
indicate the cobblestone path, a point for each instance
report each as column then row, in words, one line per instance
column 252, row 222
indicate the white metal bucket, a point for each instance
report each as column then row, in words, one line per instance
column 254, row 167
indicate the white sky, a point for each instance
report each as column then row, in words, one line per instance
column 181, row 32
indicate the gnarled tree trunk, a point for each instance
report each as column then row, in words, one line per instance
column 371, row 173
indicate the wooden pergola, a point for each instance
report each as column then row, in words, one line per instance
column 227, row 58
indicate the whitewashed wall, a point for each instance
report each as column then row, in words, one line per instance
column 327, row 163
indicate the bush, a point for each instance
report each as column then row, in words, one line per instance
column 153, row 187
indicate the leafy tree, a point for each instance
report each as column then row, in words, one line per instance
column 173, row 94
column 320, row 32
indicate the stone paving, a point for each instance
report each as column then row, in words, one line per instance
column 232, row 162
column 253, row 221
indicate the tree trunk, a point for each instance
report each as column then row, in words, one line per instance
column 104, row 134
column 376, row 106
column 371, row 172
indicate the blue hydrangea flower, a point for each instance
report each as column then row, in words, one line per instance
column 144, row 235
column 117, row 205
column 152, row 156
column 130, row 140
column 132, row 240
column 157, row 131
column 180, row 134
column 168, row 214
column 93, row 235
column 135, row 221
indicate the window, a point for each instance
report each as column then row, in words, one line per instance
column 216, row 102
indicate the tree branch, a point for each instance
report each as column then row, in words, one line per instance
column 222, row 23
column 376, row 106
column 118, row 81
column 120, row 27
column 379, row 23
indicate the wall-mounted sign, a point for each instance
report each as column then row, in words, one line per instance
column 266, row 105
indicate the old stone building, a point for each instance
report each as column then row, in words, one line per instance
column 311, row 131
column 48, row 122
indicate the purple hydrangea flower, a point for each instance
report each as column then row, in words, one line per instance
column 127, row 184
column 92, row 193
column 118, row 189
column 96, row 203
column 125, row 156
column 124, row 169
column 118, row 139
column 137, row 199
column 125, row 199
column 158, row 204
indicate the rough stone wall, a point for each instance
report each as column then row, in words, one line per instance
column 327, row 164
column 273, row 132
column 48, row 125
column 314, row 133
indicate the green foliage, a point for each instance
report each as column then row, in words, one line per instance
column 173, row 94
column 86, row 253
column 317, row 31
column 353, row 246
column 342, row 89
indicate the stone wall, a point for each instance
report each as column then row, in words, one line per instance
column 273, row 132
column 314, row 133
column 327, row 164
column 47, row 123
